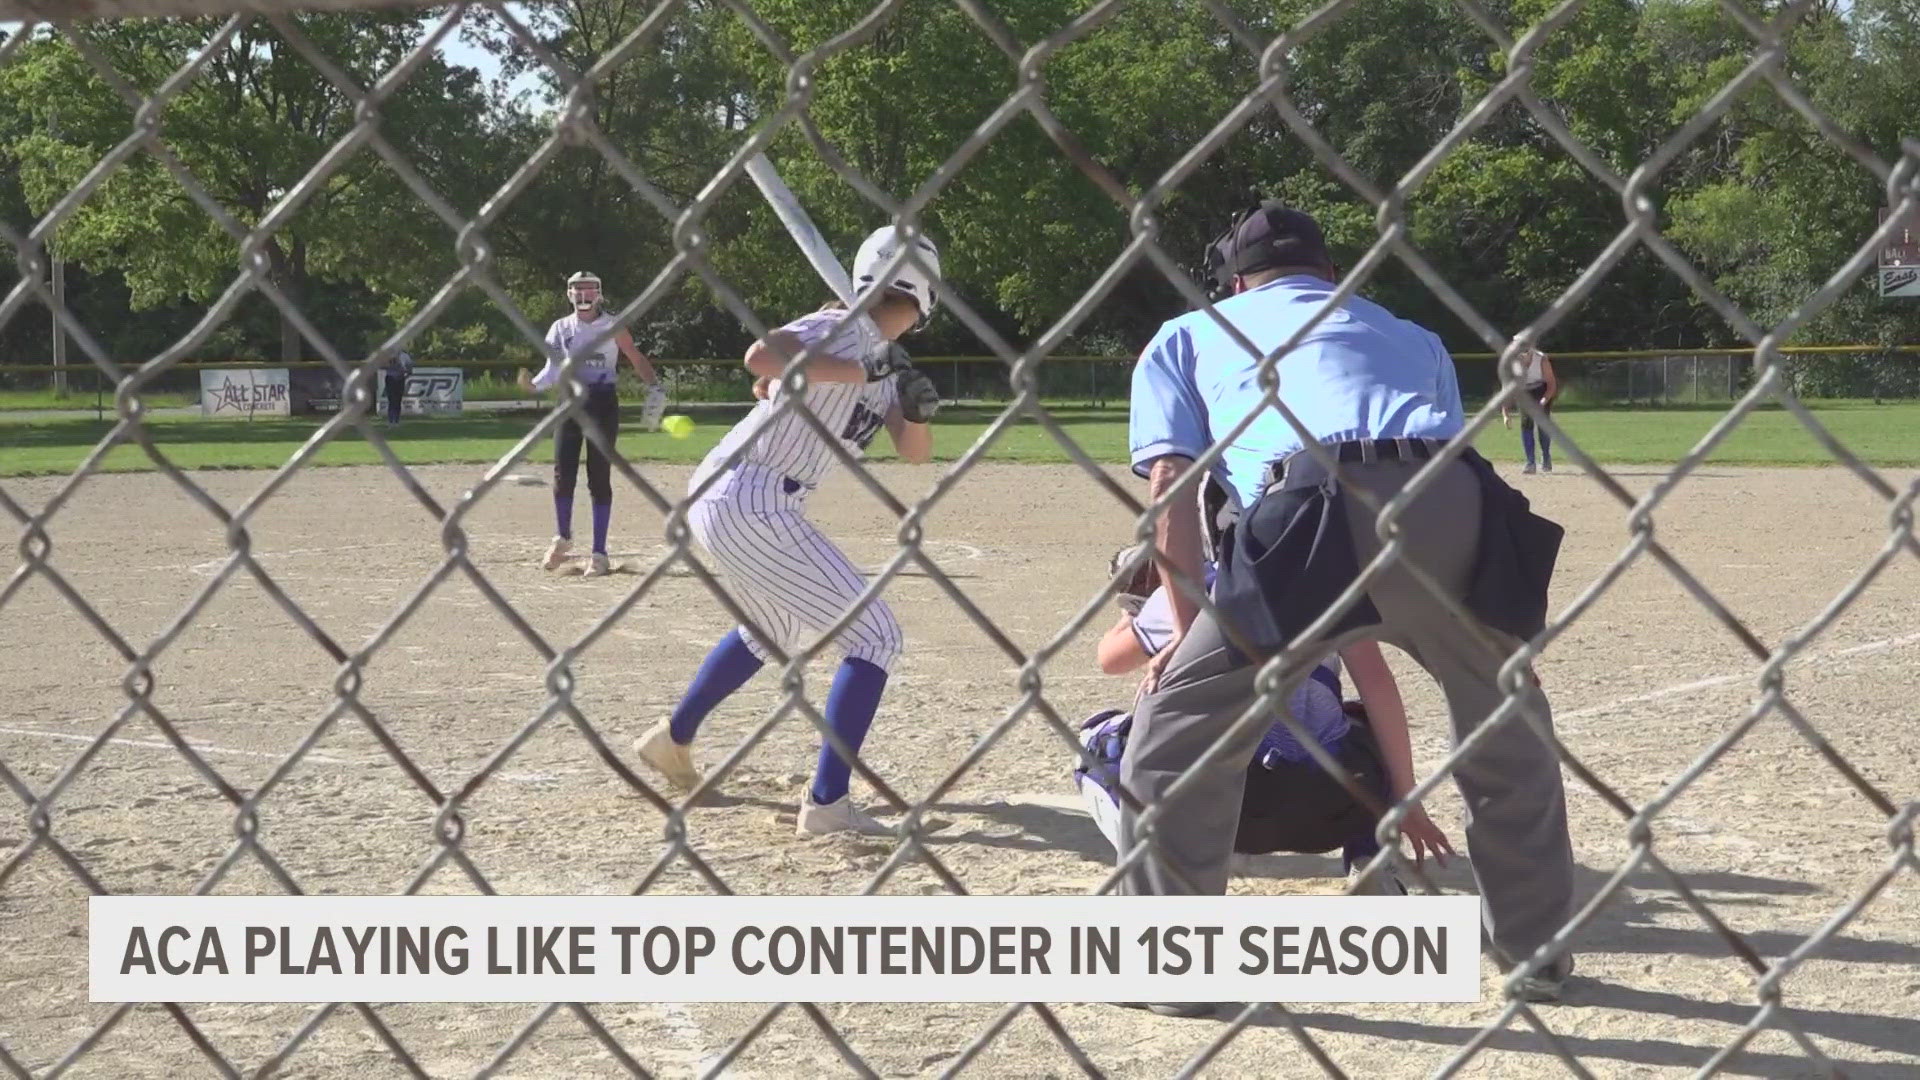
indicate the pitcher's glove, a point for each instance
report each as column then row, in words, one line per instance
column 919, row 398
column 655, row 408
column 1139, row 584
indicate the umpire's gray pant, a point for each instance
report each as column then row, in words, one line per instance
column 1515, row 806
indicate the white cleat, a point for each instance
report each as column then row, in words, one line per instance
column 838, row 816
column 557, row 553
column 1383, row 883
column 668, row 758
column 598, row 565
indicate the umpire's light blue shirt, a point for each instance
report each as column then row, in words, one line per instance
column 1361, row 373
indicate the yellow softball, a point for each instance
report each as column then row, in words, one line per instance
column 677, row 426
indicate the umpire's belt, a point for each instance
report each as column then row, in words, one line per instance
column 1302, row 469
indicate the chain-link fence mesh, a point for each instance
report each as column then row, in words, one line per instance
column 1030, row 380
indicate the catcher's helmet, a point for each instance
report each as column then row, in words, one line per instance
column 583, row 290
column 917, row 278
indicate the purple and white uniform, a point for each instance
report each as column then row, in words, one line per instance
column 599, row 361
column 752, row 521
column 1315, row 703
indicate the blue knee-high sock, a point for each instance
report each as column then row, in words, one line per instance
column 1546, row 448
column 726, row 669
column 563, row 516
column 850, row 708
column 602, row 517
column 1526, row 441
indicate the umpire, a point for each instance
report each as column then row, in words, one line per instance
column 1381, row 394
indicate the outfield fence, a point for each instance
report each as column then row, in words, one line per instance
column 1770, row 983
column 1642, row 377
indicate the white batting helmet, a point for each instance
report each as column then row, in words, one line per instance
column 583, row 290
column 917, row 281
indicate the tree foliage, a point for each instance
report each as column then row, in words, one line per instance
column 1765, row 206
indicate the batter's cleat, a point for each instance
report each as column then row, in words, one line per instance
column 838, row 816
column 557, row 553
column 670, row 759
column 1549, row 986
column 1546, row 464
column 1382, row 883
column 598, row 566
column 1527, row 468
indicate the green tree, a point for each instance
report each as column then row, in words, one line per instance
column 249, row 128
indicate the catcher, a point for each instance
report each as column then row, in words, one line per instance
column 1291, row 804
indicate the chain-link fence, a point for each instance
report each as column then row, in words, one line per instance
column 1641, row 379
column 1032, row 683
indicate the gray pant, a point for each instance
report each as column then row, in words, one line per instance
column 1515, row 806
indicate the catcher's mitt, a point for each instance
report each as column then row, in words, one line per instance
column 919, row 398
column 1140, row 581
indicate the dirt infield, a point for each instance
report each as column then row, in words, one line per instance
column 1772, row 836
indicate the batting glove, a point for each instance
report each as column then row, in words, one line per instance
column 887, row 361
column 919, row 398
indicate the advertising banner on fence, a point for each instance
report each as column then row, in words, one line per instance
column 784, row 948
column 430, row 390
column 433, row 390
column 243, row 391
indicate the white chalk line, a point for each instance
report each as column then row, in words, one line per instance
column 1882, row 645
column 1676, row 690
column 211, row 565
column 156, row 744
column 229, row 751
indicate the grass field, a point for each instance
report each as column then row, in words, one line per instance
column 1883, row 434
column 84, row 397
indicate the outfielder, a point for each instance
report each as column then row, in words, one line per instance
column 1380, row 394
column 752, row 520
column 395, row 378
column 1542, row 386
column 592, row 334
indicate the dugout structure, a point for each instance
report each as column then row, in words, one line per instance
column 37, row 839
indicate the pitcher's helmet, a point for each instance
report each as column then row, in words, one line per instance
column 583, row 290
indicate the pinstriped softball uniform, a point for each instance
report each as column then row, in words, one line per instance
column 785, row 573
column 854, row 411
